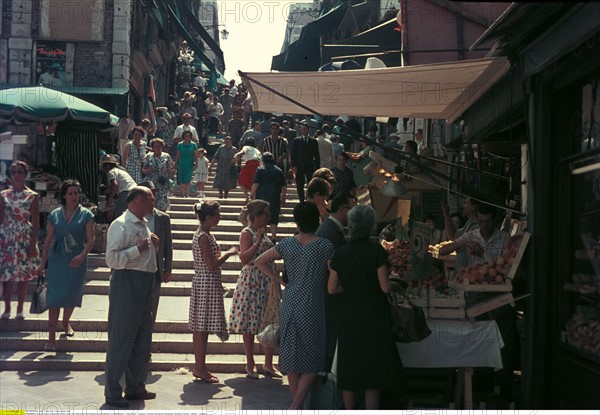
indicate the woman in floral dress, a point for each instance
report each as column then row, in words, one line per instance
column 19, row 225
column 207, row 312
column 134, row 154
column 248, row 314
column 158, row 167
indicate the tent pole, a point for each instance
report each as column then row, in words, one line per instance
column 268, row 88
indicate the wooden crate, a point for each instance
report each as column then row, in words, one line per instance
column 519, row 256
column 490, row 304
column 482, row 288
column 446, row 307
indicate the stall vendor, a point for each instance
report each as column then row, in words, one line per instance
column 119, row 184
column 483, row 243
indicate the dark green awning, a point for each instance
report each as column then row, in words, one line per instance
column 305, row 53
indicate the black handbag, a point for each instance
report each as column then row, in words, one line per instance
column 408, row 321
column 38, row 298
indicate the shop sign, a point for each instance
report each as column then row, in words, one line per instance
column 51, row 60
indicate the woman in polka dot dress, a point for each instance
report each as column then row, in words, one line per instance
column 302, row 327
column 207, row 312
column 247, row 316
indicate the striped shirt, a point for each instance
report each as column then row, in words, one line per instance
column 276, row 147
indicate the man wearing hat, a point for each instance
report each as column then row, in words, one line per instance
column 159, row 224
column 119, row 184
column 186, row 126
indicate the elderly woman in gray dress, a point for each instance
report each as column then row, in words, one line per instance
column 226, row 175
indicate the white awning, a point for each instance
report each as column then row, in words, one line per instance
column 442, row 90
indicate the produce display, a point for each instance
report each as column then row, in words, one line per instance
column 585, row 284
column 438, row 282
column 583, row 331
column 435, row 249
column 494, row 271
column 399, row 253
column 491, row 272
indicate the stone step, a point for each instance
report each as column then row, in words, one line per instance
column 226, row 225
column 225, row 216
column 93, row 361
column 171, row 309
column 173, row 288
column 97, row 341
column 103, row 274
column 91, row 327
column 287, row 209
column 222, row 236
column 182, row 259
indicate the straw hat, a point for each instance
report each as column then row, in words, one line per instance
column 108, row 159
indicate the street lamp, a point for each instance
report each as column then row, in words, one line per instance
column 224, row 33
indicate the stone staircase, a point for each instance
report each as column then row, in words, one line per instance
column 22, row 345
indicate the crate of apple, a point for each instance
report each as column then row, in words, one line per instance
column 399, row 253
column 488, row 276
column 438, row 281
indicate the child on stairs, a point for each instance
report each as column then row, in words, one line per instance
column 201, row 173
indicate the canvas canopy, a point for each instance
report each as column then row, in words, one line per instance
column 441, row 90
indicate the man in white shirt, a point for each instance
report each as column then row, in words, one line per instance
column 186, row 126
column 233, row 90
column 119, row 182
column 326, row 153
column 131, row 254
column 200, row 82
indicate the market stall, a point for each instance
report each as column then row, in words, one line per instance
column 456, row 344
column 67, row 127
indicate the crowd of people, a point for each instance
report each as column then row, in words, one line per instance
column 333, row 290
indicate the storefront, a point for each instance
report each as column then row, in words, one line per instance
column 555, row 52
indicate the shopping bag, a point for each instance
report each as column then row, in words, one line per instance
column 269, row 337
column 38, row 299
column 408, row 322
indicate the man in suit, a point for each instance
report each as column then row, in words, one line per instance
column 288, row 132
column 159, row 223
column 332, row 229
column 305, row 159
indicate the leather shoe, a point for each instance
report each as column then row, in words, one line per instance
column 142, row 396
column 117, row 402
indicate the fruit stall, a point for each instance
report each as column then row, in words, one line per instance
column 474, row 290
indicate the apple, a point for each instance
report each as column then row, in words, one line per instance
column 492, row 272
column 499, row 279
column 472, row 278
column 500, row 261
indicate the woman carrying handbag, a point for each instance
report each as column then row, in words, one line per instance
column 69, row 239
